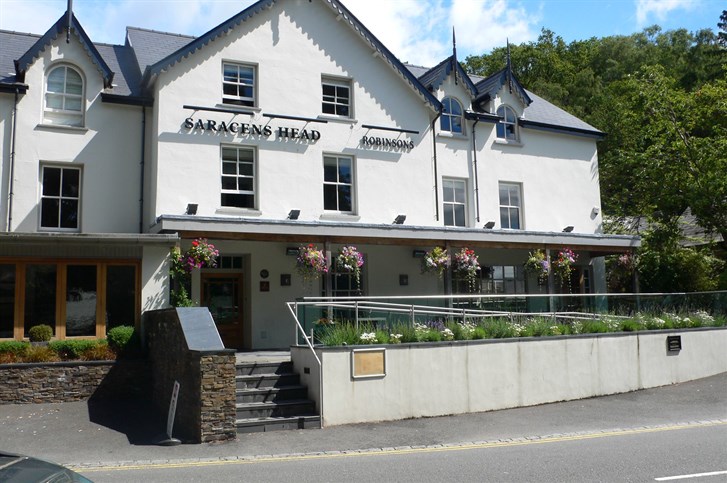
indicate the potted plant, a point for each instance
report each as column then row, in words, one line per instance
column 436, row 261
column 563, row 265
column 350, row 260
column 311, row 262
column 537, row 263
column 466, row 265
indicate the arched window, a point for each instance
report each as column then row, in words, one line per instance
column 451, row 119
column 507, row 126
column 64, row 96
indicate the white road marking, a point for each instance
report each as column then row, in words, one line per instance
column 695, row 475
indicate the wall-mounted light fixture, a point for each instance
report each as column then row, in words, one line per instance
column 191, row 209
column 418, row 253
column 489, row 225
column 568, row 229
column 291, row 251
column 400, row 219
column 294, row 214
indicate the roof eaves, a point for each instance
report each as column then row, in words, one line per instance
column 11, row 88
column 542, row 126
column 394, row 62
column 154, row 70
column 488, row 87
column 22, row 64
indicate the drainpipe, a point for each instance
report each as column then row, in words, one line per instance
column 436, row 175
column 12, row 161
column 141, row 182
column 477, row 179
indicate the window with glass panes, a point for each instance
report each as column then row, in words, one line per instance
column 60, row 197
column 336, row 97
column 338, row 183
column 238, row 84
column 64, row 97
column 507, row 126
column 504, row 279
column 451, row 119
column 510, row 206
column 238, row 177
column 454, row 197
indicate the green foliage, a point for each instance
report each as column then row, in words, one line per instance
column 15, row 347
column 124, row 340
column 180, row 298
column 40, row 354
column 40, row 333
column 341, row 333
column 70, row 349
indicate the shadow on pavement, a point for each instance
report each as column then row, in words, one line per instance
column 138, row 420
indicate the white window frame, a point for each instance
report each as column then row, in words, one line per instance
column 509, row 206
column 335, row 101
column 338, row 183
column 240, row 100
column 238, row 176
column 64, row 115
column 507, row 128
column 451, row 202
column 60, row 197
column 448, row 118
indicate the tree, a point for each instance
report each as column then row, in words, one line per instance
column 722, row 24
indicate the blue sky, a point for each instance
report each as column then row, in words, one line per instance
column 417, row 31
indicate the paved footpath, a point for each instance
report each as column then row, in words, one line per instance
column 85, row 435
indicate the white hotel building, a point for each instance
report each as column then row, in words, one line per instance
column 289, row 106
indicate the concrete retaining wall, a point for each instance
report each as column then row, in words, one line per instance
column 434, row 379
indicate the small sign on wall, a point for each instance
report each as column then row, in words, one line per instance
column 367, row 363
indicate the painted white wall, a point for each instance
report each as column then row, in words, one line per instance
column 154, row 278
column 490, row 375
column 107, row 149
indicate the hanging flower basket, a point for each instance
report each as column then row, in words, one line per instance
column 435, row 261
column 466, row 266
column 311, row 262
column 350, row 260
column 537, row 263
column 563, row 265
column 201, row 254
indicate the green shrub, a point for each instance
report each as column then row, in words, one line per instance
column 342, row 333
column 120, row 337
column 40, row 333
column 100, row 352
column 70, row 348
column 14, row 347
column 630, row 325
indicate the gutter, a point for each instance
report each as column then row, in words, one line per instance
column 141, row 164
column 477, row 178
column 12, row 160
column 436, row 175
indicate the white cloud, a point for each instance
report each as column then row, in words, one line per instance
column 660, row 9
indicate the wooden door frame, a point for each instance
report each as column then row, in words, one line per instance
column 239, row 337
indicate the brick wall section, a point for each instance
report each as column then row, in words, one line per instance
column 73, row 381
column 206, row 403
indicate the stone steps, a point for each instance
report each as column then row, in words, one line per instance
column 270, row 397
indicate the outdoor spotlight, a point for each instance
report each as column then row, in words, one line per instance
column 568, row 229
column 400, row 219
column 191, row 209
column 294, row 214
column 490, row 225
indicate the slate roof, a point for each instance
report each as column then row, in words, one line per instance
column 14, row 45
column 151, row 46
column 434, row 77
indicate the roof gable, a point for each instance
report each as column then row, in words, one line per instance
column 434, row 77
column 488, row 88
column 152, row 71
column 61, row 26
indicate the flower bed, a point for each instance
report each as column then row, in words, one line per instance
column 345, row 333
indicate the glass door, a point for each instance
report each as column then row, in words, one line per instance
column 222, row 295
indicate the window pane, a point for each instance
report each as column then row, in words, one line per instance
column 459, row 195
column 246, row 169
column 445, row 124
column 49, row 212
column 70, row 182
column 80, row 300
column 229, row 168
column 74, row 83
column 229, row 154
column 504, row 218
column 501, row 131
column 229, row 89
column 459, row 215
column 457, row 124
column 342, row 110
column 328, row 108
column 329, row 92
column 229, row 183
column 238, row 200
column 344, row 171
column 40, row 296
column 120, row 296
column 56, row 80
column 230, row 72
column 504, row 195
column 330, row 172
column 245, row 184
column 344, row 198
column 51, row 181
column 7, row 300
column 514, row 219
column 69, row 214
column 514, row 196
column 448, row 215
column 54, row 101
column 330, row 197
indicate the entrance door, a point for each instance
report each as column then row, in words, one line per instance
column 222, row 295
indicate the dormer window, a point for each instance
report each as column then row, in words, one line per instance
column 507, row 126
column 452, row 116
column 64, row 97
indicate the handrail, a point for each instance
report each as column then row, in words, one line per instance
column 313, row 351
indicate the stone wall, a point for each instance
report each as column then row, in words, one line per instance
column 55, row 382
column 206, row 402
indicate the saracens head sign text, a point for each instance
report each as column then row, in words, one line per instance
column 248, row 129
